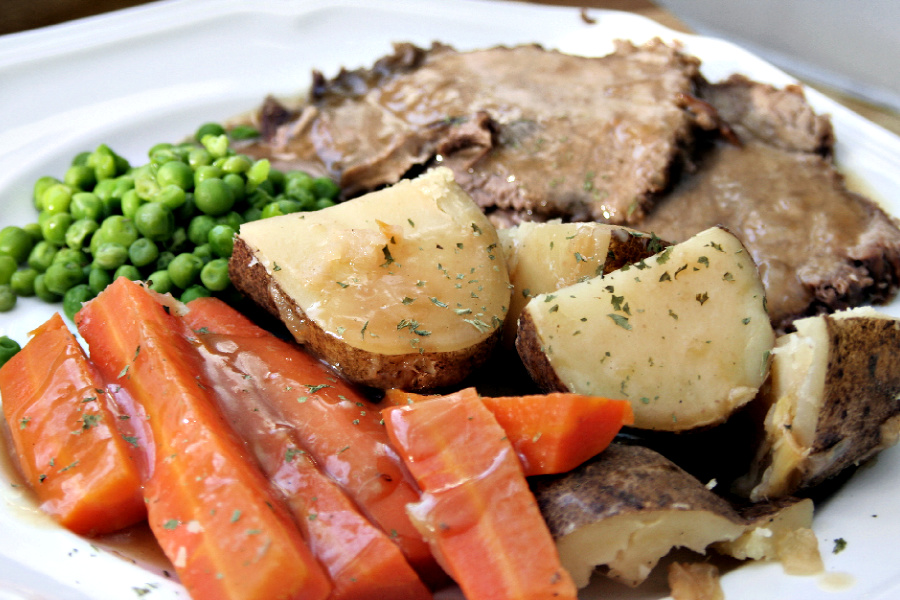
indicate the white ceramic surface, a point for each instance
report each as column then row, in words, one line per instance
column 154, row 73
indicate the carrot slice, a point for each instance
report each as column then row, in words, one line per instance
column 362, row 561
column 64, row 430
column 476, row 511
column 551, row 433
column 341, row 429
column 213, row 512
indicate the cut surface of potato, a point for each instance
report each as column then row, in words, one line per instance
column 626, row 509
column 404, row 287
column 543, row 257
column 683, row 335
column 831, row 401
column 768, row 525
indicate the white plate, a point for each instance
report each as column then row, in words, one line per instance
column 137, row 77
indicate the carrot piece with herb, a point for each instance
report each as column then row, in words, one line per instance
column 340, row 428
column 215, row 515
column 361, row 560
column 551, row 433
column 476, row 511
column 63, row 427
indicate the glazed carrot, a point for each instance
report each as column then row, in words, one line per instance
column 476, row 511
column 361, row 560
column 213, row 512
column 551, row 433
column 64, row 430
column 340, row 428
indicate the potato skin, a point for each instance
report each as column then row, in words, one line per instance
column 528, row 345
column 624, row 479
column 412, row 371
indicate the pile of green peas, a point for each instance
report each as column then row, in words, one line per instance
column 170, row 222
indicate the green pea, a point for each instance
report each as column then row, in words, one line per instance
column 143, row 252
column 131, row 202
column 323, row 203
column 81, row 158
column 175, row 173
column 106, row 163
column 86, row 205
column 280, row 207
column 146, row 186
column 278, row 179
column 199, row 157
column 252, row 214
column 221, row 240
column 204, row 251
column 59, row 277
column 34, row 230
column 55, row 226
column 164, row 156
column 80, row 177
column 98, row 279
column 213, row 197
column 74, row 298
column 22, row 282
column 40, row 186
column 178, row 242
column 208, row 129
column 214, row 275
column 199, row 228
column 105, row 189
column 72, row 255
column 217, row 145
column 206, row 172
column 122, row 185
column 128, row 271
column 171, row 196
column 15, row 242
column 165, row 258
column 243, row 132
column 78, row 234
column 159, row 281
column 7, row 298
column 233, row 219
column 184, row 269
column 306, row 198
column 297, row 180
column 8, row 348
column 239, row 163
column 41, row 256
column 41, row 291
column 194, row 292
column 110, row 255
column 56, row 198
column 324, row 187
column 119, row 229
column 258, row 173
column 236, row 183
column 8, row 266
column 186, row 211
column 155, row 221
column 258, row 198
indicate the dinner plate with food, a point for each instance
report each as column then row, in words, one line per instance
column 464, row 299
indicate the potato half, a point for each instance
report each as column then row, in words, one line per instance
column 683, row 335
column 543, row 257
column 831, row 401
column 404, row 287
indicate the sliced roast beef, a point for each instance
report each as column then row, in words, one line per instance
column 523, row 128
column 771, row 181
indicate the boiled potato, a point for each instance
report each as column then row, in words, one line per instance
column 543, row 257
column 683, row 335
column 831, row 401
column 404, row 287
column 626, row 509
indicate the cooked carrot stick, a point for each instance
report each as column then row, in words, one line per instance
column 341, row 428
column 476, row 511
column 551, row 433
column 213, row 512
column 64, row 430
column 361, row 560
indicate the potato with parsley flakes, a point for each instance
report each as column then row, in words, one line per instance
column 404, row 287
column 683, row 335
